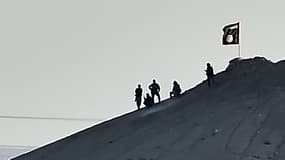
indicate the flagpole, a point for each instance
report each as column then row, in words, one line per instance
column 239, row 39
column 239, row 51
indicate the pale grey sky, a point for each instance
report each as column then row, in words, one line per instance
column 7, row 152
column 83, row 58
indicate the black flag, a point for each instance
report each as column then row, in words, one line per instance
column 231, row 34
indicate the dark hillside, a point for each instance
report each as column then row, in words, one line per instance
column 240, row 118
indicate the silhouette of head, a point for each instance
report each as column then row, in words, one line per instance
column 139, row 86
column 174, row 82
column 153, row 81
column 147, row 95
column 208, row 65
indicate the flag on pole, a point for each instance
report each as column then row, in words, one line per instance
column 231, row 34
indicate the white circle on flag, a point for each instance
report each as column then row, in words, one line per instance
column 229, row 38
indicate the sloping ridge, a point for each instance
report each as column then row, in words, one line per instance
column 240, row 118
column 8, row 151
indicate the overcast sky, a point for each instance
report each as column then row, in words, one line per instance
column 12, row 151
column 84, row 58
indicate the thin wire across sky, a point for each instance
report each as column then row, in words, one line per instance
column 51, row 118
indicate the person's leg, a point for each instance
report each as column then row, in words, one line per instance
column 158, row 97
column 176, row 94
column 208, row 80
column 213, row 80
column 139, row 103
column 152, row 95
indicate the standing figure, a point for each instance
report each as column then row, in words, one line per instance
column 138, row 95
column 210, row 74
column 148, row 101
column 154, row 89
column 176, row 90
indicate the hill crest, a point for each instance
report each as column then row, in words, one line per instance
column 239, row 118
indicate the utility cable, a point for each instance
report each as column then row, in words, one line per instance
column 50, row 118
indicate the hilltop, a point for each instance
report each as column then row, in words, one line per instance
column 240, row 118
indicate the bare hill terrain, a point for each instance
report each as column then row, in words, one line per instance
column 240, row 118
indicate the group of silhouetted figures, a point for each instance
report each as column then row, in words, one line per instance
column 154, row 90
column 175, row 92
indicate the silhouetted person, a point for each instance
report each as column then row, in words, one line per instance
column 210, row 74
column 138, row 95
column 176, row 90
column 154, row 89
column 148, row 101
